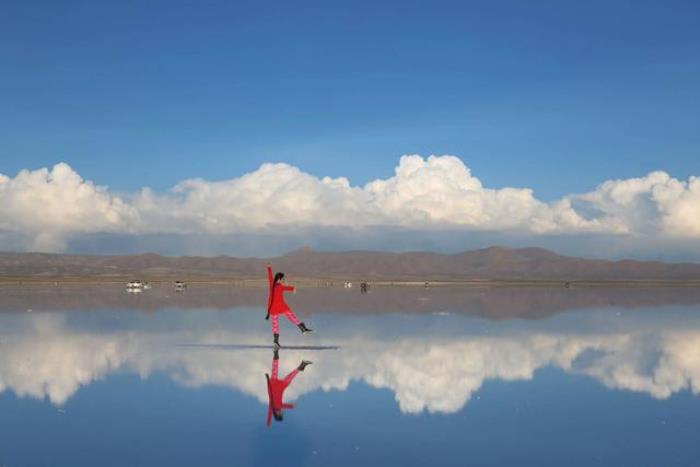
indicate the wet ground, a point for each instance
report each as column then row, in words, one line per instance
column 117, row 379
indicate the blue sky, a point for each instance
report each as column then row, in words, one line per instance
column 556, row 96
column 540, row 102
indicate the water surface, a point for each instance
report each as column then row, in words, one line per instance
column 136, row 381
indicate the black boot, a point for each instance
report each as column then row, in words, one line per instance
column 276, row 341
column 303, row 328
column 275, row 354
column 304, row 364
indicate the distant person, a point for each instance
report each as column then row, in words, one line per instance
column 276, row 387
column 363, row 287
column 276, row 305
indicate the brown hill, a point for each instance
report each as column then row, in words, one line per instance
column 490, row 263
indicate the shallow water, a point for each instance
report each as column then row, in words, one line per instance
column 108, row 381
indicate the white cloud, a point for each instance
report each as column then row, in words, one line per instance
column 656, row 203
column 47, row 207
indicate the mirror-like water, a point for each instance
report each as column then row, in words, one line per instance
column 188, row 384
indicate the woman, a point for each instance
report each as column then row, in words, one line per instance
column 276, row 388
column 276, row 305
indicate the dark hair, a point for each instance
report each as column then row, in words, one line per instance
column 278, row 277
column 278, row 415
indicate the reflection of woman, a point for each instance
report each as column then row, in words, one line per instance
column 276, row 387
column 276, row 305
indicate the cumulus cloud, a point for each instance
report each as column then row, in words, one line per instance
column 48, row 205
column 437, row 193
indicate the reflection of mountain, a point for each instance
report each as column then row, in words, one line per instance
column 53, row 355
column 491, row 302
column 495, row 262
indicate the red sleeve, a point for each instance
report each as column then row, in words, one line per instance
column 287, row 288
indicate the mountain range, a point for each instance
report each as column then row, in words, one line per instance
column 494, row 263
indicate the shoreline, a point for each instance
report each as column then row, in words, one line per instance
column 336, row 282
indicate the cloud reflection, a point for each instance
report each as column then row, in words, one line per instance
column 47, row 355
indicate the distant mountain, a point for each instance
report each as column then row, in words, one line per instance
column 490, row 263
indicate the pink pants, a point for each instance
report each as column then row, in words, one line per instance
column 275, row 372
column 276, row 320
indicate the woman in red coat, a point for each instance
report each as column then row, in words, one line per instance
column 277, row 306
column 276, row 388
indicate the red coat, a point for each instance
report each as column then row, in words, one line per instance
column 275, row 392
column 275, row 298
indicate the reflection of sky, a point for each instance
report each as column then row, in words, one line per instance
column 429, row 363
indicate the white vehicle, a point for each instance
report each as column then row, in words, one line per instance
column 135, row 284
